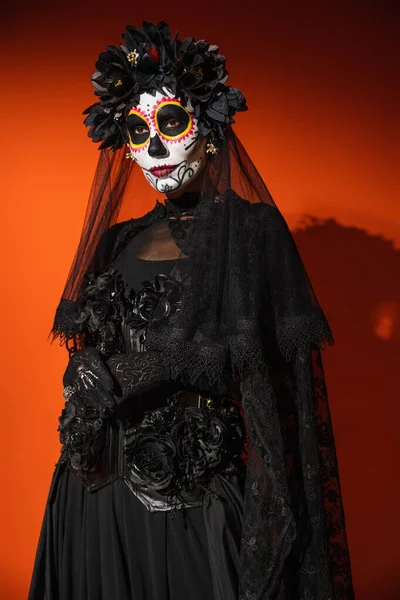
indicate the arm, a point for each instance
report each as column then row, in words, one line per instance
column 92, row 382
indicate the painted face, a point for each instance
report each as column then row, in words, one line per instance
column 164, row 141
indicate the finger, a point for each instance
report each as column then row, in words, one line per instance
column 90, row 373
column 105, row 399
column 99, row 380
column 79, row 404
column 85, row 381
column 98, row 373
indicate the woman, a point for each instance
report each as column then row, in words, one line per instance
column 198, row 459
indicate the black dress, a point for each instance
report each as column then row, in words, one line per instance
column 106, row 545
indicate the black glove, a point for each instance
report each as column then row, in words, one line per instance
column 88, row 383
column 137, row 373
column 89, row 402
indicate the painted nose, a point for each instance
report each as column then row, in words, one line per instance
column 157, row 148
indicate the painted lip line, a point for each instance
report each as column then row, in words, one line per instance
column 162, row 170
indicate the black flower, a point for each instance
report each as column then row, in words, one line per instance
column 156, row 298
column 151, row 61
column 199, row 440
column 155, row 301
column 114, row 319
column 103, row 305
column 176, row 448
column 152, row 461
column 82, row 436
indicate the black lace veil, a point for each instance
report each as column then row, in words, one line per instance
column 247, row 302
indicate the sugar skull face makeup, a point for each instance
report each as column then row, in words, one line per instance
column 164, row 141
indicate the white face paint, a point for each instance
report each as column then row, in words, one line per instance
column 164, row 141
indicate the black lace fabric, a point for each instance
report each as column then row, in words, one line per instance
column 248, row 314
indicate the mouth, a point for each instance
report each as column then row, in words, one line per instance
column 162, row 170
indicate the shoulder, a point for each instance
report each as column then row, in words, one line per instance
column 116, row 236
column 155, row 213
column 255, row 216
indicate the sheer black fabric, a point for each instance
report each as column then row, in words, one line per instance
column 248, row 315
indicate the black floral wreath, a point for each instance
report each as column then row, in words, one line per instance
column 177, row 448
column 114, row 319
column 151, row 61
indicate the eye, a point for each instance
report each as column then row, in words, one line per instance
column 140, row 130
column 172, row 124
column 173, row 120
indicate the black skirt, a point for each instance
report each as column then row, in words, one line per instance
column 106, row 545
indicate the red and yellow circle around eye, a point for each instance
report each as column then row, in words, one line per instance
column 183, row 133
column 137, row 112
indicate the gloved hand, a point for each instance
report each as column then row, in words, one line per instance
column 88, row 383
column 137, row 373
column 89, row 401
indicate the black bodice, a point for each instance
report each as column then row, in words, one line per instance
column 135, row 270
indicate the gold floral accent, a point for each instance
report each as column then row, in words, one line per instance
column 117, row 83
column 133, row 57
column 211, row 149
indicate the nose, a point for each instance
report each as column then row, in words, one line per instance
column 156, row 148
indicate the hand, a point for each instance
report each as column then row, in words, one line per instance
column 88, row 382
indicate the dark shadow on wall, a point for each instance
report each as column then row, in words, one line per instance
column 356, row 277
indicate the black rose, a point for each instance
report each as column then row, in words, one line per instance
column 151, row 460
column 98, row 311
column 107, row 283
column 103, row 305
column 199, row 439
column 156, row 299
column 176, row 448
column 149, row 305
column 81, row 436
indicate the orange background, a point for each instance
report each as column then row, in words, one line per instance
column 321, row 81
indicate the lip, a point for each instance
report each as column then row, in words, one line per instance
column 162, row 170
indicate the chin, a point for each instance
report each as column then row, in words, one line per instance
column 167, row 185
